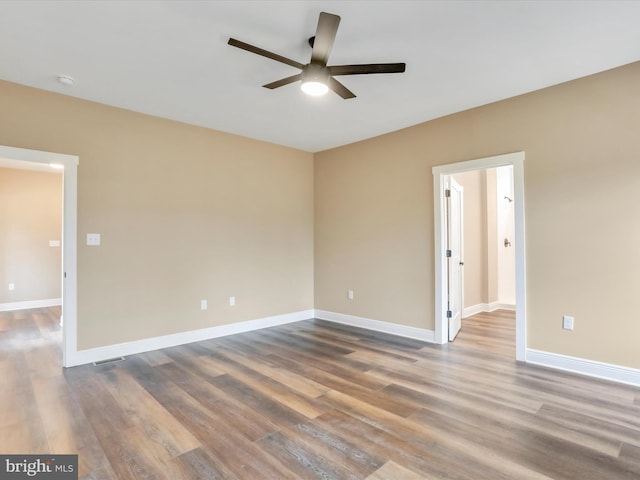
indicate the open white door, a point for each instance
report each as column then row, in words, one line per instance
column 453, row 202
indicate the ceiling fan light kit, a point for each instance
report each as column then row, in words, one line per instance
column 316, row 77
column 315, row 80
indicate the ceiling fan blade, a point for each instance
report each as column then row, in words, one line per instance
column 265, row 53
column 340, row 89
column 368, row 68
column 325, row 36
column 284, row 81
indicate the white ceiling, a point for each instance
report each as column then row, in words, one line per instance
column 171, row 59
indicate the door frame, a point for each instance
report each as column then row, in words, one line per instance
column 69, row 238
column 515, row 159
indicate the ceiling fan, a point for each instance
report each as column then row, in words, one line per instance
column 317, row 78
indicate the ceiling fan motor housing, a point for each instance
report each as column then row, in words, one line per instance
column 315, row 72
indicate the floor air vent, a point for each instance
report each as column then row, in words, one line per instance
column 110, row 360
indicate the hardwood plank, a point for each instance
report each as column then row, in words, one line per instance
column 303, row 461
column 52, row 397
column 322, row 355
column 296, row 382
column 197, row 464
column 494, row 414
column 104, row 473
column 630, row 453
column 130, row 458
column 102, row 410
column 392, row 471
column 575, row 421
column 274, row 411
column 160, row 430
column 232, row 453
column 223, row 409
column 494, row 465
column 155, row 358
column 433, row 462
column 530, row 449
column 20, row 420
column 309, row 407
column 336, row 448
column 376, row 338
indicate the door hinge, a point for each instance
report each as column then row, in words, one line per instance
column 448, row 253
column 447, row 193
column 449, row 314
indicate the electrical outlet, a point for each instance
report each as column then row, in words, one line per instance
column 232, row 301
column 12, row 286
column 203, row 304
column 567, row 322
column 350, row 294
column 93, row 239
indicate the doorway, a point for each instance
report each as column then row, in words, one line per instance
column 69, row 237
column 443, row 266
column 30, row 236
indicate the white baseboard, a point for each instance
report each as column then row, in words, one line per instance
column 474, row 309
column 591, row 368
column 486, row 307
column 49, row 302
column 98, row 354
column 501, row 306
column 386, row 327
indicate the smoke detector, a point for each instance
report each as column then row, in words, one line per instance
column 66, row 80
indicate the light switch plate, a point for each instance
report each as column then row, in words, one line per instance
column 93, row 239
column 54, row 243
column 567, row 322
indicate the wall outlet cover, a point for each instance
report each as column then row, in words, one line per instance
column 93, row 239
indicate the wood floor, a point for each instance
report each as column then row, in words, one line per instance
column 315, row 400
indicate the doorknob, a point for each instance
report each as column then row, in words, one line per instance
column 507, row 243
column 461, row 264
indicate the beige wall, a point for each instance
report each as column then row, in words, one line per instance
column 374, row 213
column 30, row 216
column 185, row 214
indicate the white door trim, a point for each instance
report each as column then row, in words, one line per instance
column 69, row 239
column 439, row 173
